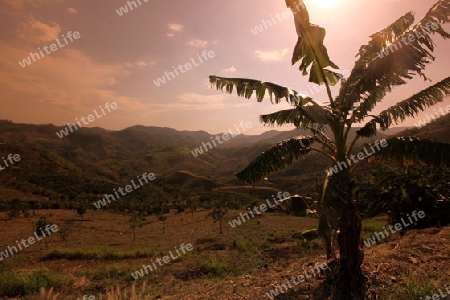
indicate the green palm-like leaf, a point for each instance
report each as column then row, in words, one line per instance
column 289, row 116
column 367, row 53
column 410, row 150
column 245, row 88
column 382, row 39
column 276, row 158
column 321, row 137
column 299, row 116
column 376, row 73
column 310, row 49
column 407, row 108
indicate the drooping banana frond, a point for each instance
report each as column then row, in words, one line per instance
column 288, row 116
column 367, row 53
column 276, row 158
column 411, row 150
column 407, row 108
column 245, row 88
column 392, row 56
column 300, row 116
column 386, row 37
column 310, row 49
column 438, row 14
column 321, row 137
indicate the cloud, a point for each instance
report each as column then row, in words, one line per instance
column 199, row 98
column 174, row 29
column 20, row 4
column 197, row 102
column 72, row 10
column 231, row 69
column 141, row 63
column 201, row 102
column 35, row 31
column 68, row 78
column 271, row 55
column 197, row 43
column 66, row 85
column 15, row 4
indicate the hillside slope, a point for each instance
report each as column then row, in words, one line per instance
column 92, row 161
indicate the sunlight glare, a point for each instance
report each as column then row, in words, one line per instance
column 326, row 4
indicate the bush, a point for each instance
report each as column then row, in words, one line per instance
column 369, row 226
column 310, row 245
column 241, row 246
column 205, row 240
column 400, row 193
column 216, row 267
column 19, row 283
column 105, row 254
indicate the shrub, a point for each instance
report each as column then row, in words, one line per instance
column 216, row 267
column 106, row 254
column 19, row 283
column 241, row 246
column 205, row 240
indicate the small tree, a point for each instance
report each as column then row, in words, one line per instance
column 40, row 225
column 193, row 203
column 64, row 233
column 219, row 210
column 136, row 221
column 15, row 206
column 81, row 210
column 34, row 205
column 163, row 219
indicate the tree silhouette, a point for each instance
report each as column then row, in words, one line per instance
column 40, row 226
column 219, row 210
column 81, row 210
column 163, row 219
column 136, row 221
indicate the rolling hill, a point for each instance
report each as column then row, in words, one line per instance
column 92, row 161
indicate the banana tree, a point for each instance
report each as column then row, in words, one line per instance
column 373, row 76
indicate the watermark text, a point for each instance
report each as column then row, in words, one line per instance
column 49, row 49
column 91, row 118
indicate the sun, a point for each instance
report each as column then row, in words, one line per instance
column 326, row 4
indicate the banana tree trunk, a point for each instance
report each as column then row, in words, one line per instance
column 348, row 282
column 350, row 279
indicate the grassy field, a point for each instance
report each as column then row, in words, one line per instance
column 96, row 255
column 101, row 248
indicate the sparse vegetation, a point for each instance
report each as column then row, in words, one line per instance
column 25, row 282
column 96, row 254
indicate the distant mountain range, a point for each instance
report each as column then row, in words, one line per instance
column 90, row 161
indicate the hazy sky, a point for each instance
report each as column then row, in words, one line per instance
column 118, row 58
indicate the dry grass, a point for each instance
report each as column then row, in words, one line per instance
column 114, row 293
column 101, row 248
column 257, row 255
